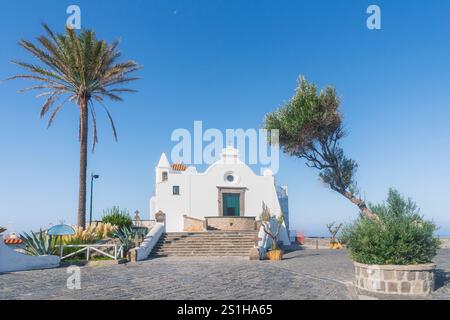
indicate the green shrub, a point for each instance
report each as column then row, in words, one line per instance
column 118, row 217
column 401, row 236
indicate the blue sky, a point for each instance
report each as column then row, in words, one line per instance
column 228, row 63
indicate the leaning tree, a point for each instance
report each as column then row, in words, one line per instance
column 79, row 68
column 310, row 127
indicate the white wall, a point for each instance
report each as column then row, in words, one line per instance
column 11, row 260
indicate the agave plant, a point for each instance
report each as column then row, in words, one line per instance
column 38, row 244
column 126, row 237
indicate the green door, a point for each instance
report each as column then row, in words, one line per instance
column 231, row 205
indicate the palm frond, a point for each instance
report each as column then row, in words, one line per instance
column 113, row 126
column 76, row 67
column 94, row 126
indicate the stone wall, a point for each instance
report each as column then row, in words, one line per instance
column 231, row 223
column 149, row 224
column 11, row 261
column 445, row 243
column 316, row 243
column 405, row 280
column 193, row 225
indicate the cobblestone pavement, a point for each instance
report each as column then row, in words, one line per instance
column 303, row 274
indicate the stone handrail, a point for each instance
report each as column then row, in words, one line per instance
column 150, row 241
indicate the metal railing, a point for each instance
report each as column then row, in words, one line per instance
column 89, row 248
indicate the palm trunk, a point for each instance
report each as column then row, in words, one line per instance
column 84, row 120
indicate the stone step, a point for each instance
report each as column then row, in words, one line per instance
column 211, row 236
column 200, row 235
column 199, row 243
column 213, row 243
column 214, row 232
column 203, row 248
column 199, row 255
column 245, row 252
column 250, row 245
column 208, row 241
column 206, row 245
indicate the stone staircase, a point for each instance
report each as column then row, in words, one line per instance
column 209, row 244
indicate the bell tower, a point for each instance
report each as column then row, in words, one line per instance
column 163, row 169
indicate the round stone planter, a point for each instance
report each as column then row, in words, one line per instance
column 393, row 279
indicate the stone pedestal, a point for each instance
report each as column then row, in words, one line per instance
column 393, row 279
column 254, row 254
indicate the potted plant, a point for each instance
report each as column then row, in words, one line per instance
column 334, row 229
column 394, row 253
column 272, row 226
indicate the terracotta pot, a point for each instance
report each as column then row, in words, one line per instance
column 335, row 246
column 275, row 255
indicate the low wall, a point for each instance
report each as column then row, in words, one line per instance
column 231, row 223
column 316, row 243
column 445, row 243
column 193, row 225
column 150, row 241
column 141, row 223
column 392, row 279
column 149, row 224
column 11, row 261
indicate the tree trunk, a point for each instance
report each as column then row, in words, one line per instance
column 84, row 121
column 361, row 205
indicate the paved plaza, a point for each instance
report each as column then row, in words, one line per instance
column 303, row 274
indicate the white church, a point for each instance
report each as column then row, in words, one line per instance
column 228, row 196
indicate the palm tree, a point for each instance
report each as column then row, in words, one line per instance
column 76, row 67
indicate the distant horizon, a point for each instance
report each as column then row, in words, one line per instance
column 228, row 63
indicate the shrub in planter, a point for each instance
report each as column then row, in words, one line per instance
column 118, row 217
column 334, row 229
column 401, row 237
column 393, row 254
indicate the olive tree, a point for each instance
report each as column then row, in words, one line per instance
column 310, row 127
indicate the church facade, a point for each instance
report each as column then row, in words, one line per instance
column 227, row 196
